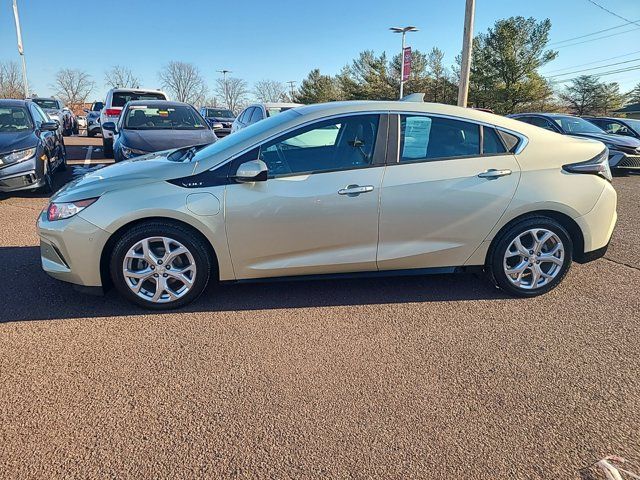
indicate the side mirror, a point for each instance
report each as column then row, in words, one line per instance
column 253, row 171
column 111, row 126
column 49, row 126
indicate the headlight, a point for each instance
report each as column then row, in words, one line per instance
column 131, row 152
column 217, row 125
column 19, row 156
column 58, row 211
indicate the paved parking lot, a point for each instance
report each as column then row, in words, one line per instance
column 435, row 377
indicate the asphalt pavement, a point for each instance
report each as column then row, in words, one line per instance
column 421, row 377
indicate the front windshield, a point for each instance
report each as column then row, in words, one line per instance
column 243, row 135
column 635, row 124
column 577, row 125
column 14, row 119
column 212, row 112
column 272, row 111
column 50, row 104
column 174, row 117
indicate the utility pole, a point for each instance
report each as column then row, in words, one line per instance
column 291, row 88
column 467, row 45
column 21, row 49
column 403, row 31
column 226, row 86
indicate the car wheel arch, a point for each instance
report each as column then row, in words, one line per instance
column 107, row 250
column 568, row 223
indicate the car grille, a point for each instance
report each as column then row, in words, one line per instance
column 629, row 161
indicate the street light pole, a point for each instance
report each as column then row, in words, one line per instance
column 224, row 81
column 21, row 49
column 403, row 31
column 467, row 45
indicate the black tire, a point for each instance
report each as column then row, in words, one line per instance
column 47, row 186
column 495, row 259
column 196, row 245
column 107, row 147
column 63, row 152
column 90, row 133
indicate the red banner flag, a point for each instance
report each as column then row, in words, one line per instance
column 406, row 64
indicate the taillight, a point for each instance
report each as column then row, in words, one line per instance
column 598, row 165
column 113, row 112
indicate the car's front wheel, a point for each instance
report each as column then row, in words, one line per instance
column 531, row 257
column 160, row 265
column 107, row 147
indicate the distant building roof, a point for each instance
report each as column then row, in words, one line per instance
column 631, row 108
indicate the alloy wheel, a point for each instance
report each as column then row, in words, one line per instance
column 159, row 269
column 534, row 258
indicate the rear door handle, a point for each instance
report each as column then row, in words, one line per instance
column 492, row 173
column 353, row 190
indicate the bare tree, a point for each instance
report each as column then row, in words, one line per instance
column 10, row 80
column 121, row 77
column 270, row 91
column 233, row 91
column 73, row 86
column 184, row 82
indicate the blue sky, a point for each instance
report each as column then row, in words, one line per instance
column 284, row 39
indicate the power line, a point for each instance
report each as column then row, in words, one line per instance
column 597, row 38
column 612, row 13
column 589, row 34
column 594, row 68
column 602, row 74
column 590, row 63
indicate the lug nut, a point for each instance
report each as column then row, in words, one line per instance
column 526, row 259
column 159, row 262
column 152, row 267
column 155, row 275
column 530, row 252
column 165, row 275
column 531, row 264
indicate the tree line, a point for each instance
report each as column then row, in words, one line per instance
column 505, row 78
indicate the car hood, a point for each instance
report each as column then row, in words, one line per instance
column 611, row 138
column 157, row 140
column 154, row 167
column 10, row 142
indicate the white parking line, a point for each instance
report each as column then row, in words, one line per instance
column 87, row 159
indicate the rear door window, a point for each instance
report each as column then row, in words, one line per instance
column 491, row 143
column 256, row 116
column 424, row 138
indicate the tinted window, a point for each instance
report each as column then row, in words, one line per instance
column 540, row 122
column 426, row 138
column 121, row 98
column 491, row 142
column 215, row 112
column 336, row 144
column 246, row 115
column 174, row 117
column 97, row 106
column 14, row 119
column 511, row 141
column 44, row 103
column 576, row 125
column 256, row 116
column 613, row 127
column 38, row 115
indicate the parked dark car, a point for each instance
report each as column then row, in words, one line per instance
column 93, row 119
column 219, row 119
column 629, row 127
column 30, row 149
column 624, row 151
column 147, row 126
column 55, row 110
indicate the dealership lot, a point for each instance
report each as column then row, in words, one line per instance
column 436, row 376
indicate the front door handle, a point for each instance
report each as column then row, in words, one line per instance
column 353, row 190
column 492, row 173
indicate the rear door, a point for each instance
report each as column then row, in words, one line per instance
column 446, row 188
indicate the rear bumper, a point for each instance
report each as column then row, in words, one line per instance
column 597, row 225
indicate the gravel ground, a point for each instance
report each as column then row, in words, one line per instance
column 434, row 377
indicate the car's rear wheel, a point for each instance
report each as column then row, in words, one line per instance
column 107, row 147
column 160, row 265
column 531, row 257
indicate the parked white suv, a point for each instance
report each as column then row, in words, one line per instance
column 259, row 111
column 116, row 100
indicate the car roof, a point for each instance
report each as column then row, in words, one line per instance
column 13, row 102
column 152, row 90
column 278, row 104
column 157, row 103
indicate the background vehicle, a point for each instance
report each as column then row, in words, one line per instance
column 147, row 126
column 30, row 149
column 219, row 119
column 624, row 152
column 93, row 119
column 115, row 101
column 82, row 123
column 341, row 188
column 55, row 111
column 71, row 120
column 259, row 111
column 629, row 127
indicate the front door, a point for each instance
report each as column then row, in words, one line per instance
column 452, row 182
column 317, row 213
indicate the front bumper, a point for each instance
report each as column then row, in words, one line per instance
column 70, row 249
column 623, row 160
column 21, row 176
